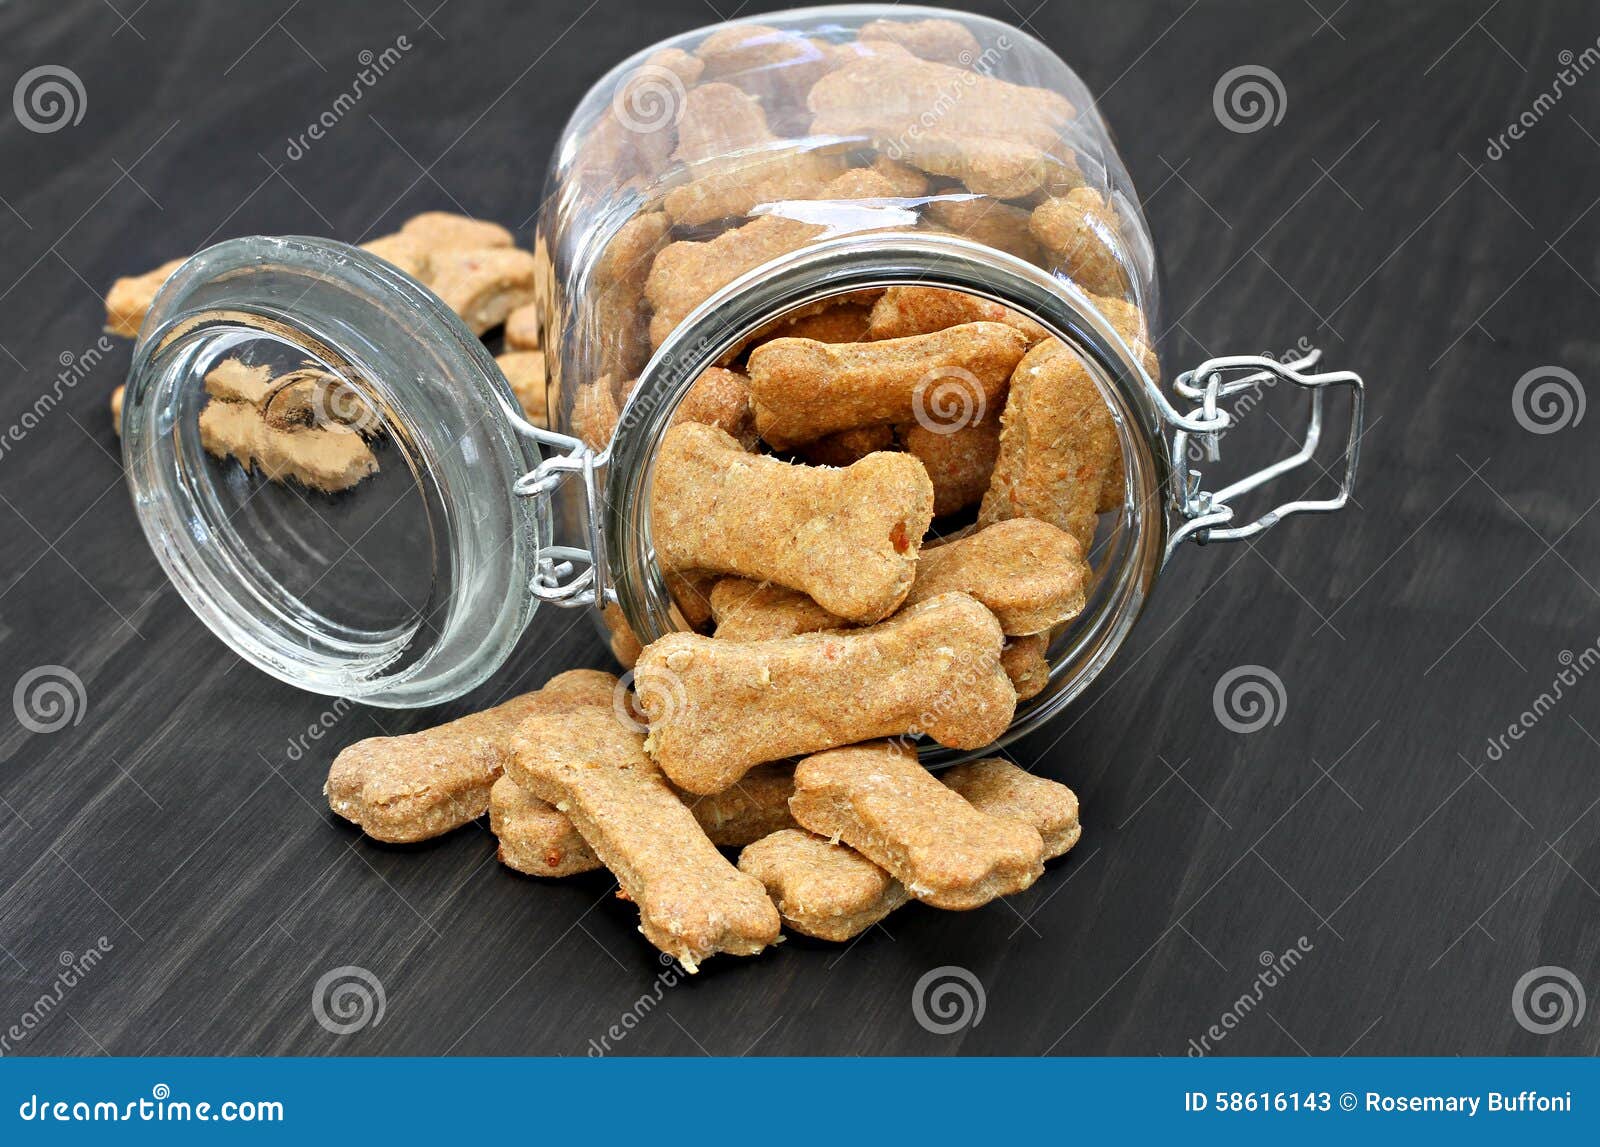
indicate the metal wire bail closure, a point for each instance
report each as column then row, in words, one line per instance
column 1207, row 513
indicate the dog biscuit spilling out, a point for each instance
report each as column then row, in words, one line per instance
column 692, row 902
column 999, row 788
column 534, row 836
column 821, row 889
column 879, row 800
column 420, row 785
column 718, row 708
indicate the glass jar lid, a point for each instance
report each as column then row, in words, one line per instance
column 324, row 459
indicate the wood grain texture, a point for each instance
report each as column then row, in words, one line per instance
column 1426, row 873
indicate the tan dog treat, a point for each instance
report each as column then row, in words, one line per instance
column 595, row 412
column 625, row 644
column 691, row 593
column 803, row 389
column 1000, row 788
column 410, row 253
column 688, row 272
column 756, row 805
column 523, row 328
column 692, row 902
column 1129, row 322
column 846, row 323
column 1026, row 662
column 719, row 121
column 775, row 65
column 1080, row 233
column 959, row 461
column 720, row 398
column 988, row 221
column 886, row 96
column 419, row 785
column 116, row 410
column 128, row 301
column 750, row 611
column 718, row 708
column 646, row 106
column 1058, row 441
column 484, row 286
column 739, row 186
column 905, row 311
column 621, row 320
column 524, row 370
column 330, row 458
column 906, row 182
column 821, row 889
column 534, row 836
column 848, row 537
column 1002, row 168
column 943, row 41
column 1031, row 575
column 234, row 380
column 879, row 800
column 445, row 230
column 537, row 838
column 850, row 446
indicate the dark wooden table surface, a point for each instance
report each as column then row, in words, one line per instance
column 1421, row 870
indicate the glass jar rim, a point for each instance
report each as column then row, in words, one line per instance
column 847, row 263
column 454, row 422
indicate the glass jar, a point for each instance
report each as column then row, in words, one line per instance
column 712, row 190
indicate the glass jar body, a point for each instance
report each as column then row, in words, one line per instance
column 775, row 175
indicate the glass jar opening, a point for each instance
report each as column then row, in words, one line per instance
column 1131, row 541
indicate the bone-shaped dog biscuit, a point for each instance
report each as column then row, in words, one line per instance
column 750, row 611
column 802, row 389
column 1000, row 788
column 1030, row 574
column 534, row 836
column 1058, row 442
column 718, row 708
column 692, row 902
column 879, row 800
column 822, row 889
column 419, row 785
column 848, row 538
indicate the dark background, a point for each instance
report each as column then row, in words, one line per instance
column 1426, row 877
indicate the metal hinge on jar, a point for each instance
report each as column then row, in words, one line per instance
column 567, row 576
column 1208, row 514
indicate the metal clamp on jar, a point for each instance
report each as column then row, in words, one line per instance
column 705, row 193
